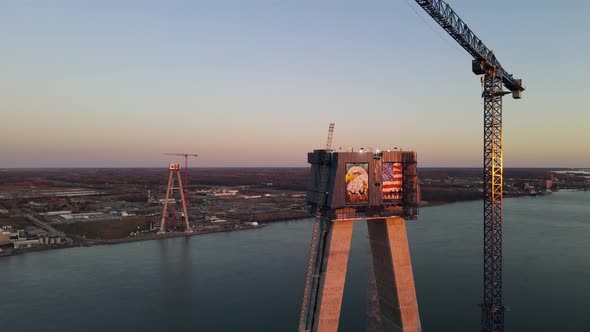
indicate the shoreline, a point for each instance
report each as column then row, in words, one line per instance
column 99, row 242
column 154, row 236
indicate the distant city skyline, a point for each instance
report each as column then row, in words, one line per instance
column 255, row 83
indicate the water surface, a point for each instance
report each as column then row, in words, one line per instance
column 253, row 280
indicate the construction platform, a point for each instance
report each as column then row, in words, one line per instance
column 380, row 187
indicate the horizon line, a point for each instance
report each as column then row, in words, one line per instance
column 253, row 167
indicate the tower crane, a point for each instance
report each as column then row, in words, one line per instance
column 494, row 79
column 185, row 155
column 312, row 277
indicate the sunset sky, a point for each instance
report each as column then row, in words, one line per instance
column 256, row 83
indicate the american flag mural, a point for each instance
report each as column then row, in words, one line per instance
column 392, row 181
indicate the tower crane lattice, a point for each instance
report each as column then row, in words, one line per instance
column 495, row 77
column 312, row 282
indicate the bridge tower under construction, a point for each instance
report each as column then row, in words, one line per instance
column 381, row 188
column 174, row 169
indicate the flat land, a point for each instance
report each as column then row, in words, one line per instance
column 120, row 204
column 108, row 230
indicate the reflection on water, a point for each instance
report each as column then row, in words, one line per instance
column 176, row 282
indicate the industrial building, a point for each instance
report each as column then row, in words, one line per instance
column 5, row 238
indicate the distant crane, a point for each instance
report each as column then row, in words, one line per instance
column 485, row 63
column 185, row 155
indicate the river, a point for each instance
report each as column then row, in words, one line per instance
column 253, row 280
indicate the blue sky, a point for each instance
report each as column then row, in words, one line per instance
column 255, row 83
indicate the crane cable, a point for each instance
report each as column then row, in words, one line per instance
column 433, row 29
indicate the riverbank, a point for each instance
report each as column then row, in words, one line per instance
column 267, row 219
column 84, row 242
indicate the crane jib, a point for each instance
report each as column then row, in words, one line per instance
column 446, row 17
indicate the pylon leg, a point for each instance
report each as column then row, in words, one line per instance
column 393, row 274
column 165, row 209
column 187, row 226
column 332, row 285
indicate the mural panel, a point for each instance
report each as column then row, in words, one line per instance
column 357, row 183
column 392, row 182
